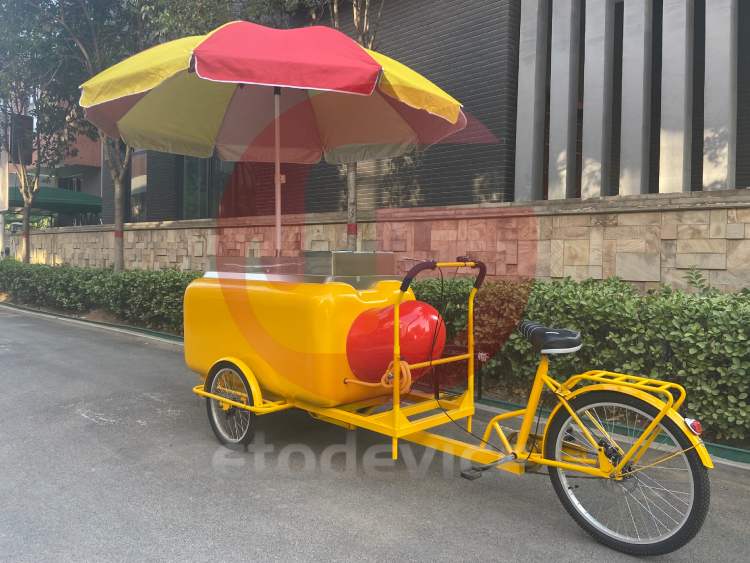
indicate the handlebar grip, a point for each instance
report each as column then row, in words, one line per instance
column 415, row 270
column 482, row 273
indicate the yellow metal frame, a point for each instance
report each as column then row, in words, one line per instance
column 413, row 413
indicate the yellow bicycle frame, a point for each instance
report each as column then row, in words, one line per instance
column 660, row 394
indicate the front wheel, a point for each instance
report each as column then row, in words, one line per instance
column 232, row 425
column 662, row 499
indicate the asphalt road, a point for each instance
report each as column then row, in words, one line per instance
column 106, row 455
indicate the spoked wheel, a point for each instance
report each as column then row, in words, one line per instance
column 662, row 499
column 232, row 425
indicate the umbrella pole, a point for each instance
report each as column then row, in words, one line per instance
column 351, row 205
column 277, row 164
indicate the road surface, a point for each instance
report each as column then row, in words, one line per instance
column 106, row 455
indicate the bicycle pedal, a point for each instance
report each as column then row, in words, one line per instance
column 471, row 474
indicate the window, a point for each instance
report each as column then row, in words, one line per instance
column 613, row 185
column 655, row 122
column 699, row 79
column 72, row 183
column 138, row 185
column 203, row 182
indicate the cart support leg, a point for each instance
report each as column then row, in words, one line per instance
column 394, row 448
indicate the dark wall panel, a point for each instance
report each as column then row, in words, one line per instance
column 163, row 186
column 470, row 49
column 743, row 94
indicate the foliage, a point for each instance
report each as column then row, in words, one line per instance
column 696, row 280
column 285, row 13
column 172, row 19
column 699, row 340
column 147, row 298
column 39, row 81
column 449, row 297
column 150, row 299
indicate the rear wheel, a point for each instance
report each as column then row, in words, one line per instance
column 662, row 499
column 232, row 425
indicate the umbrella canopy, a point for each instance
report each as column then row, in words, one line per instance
column 251, row 93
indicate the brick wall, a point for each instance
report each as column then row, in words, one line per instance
column 647, row 239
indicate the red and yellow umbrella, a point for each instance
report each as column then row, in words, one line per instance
column 251, row 93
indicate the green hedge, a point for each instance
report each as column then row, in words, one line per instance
column 151, row 299
column 698, row 339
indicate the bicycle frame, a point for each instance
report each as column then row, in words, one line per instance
column 655, row 392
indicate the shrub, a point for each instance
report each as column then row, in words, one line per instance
column 698, row 339
column 145, row 298
column 148, row 298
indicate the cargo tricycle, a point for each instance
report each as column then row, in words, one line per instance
column 624, row 463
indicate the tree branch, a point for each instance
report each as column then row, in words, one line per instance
column 79, row 43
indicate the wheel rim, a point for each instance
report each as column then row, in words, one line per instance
column 232, row 423
column 648, row 506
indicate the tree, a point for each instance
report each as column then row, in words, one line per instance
column 38, row 94
column 172, row 19
column 100, row 33
column 366, row 15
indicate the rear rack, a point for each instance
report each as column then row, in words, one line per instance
column 665, row 389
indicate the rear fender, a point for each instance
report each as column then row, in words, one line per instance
column 673, row 415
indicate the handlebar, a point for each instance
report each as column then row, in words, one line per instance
column 461, row 262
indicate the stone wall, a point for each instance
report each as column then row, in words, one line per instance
column 647, row 240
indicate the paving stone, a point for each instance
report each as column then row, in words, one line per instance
column 608, row 220
column 738, row 254
column 582, row 220
column 685, row 217
column 320, row 245
column 649, row 218
column 596, row 243
column 542, row 265
column 701, row 245
column 545, row 228
column 732, row 281
column 668, row 253
column 668, row 231
column 692, row 231
column 556, row 258
column 631, row 245
column 638, row 266
column 735, row 230
column 702, row 260
column 576, row 253
column 571, row 233
column 583, row 272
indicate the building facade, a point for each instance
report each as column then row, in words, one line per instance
column 626, row 97
column 612, row 137
column 566, row 99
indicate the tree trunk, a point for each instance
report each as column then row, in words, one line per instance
column 118, row 257
column 26, row 233
column 351, row 206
